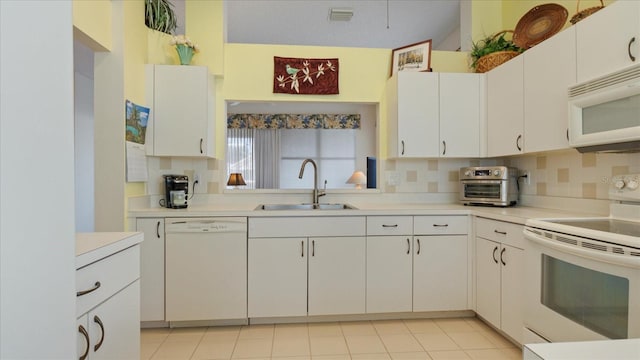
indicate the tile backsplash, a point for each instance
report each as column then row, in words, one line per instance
column 554, row 174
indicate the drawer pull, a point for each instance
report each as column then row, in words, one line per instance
column 440, row 225
column 97, row 320
column 95, row 287
column 390, row 226
column 500, row 232
column 408, row 246
column 495, row 249
column 84, row 333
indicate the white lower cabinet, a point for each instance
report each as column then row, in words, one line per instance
column 277, row 277
column 389, row 274
column 111, row 330
column 499, row 275
column 151, row 269
column 108, row 307
column 306, row 266
column 440, row 273
column 405, row 272
column 336, row 275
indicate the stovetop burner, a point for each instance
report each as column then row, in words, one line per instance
column 621, row 227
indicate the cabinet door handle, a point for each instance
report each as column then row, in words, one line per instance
column 408, row 246
column 302, row 248
column 518, row 142
column 201, row 141
column 313, row 248
column 567, row 134
column 158, row 229
column 389, row 226
column 402, row 152
column 95, row 287
column 502, row 256
column 418, row 241
column 633, row 58
column 97, row 320
column 495, row 249
column 440, row 225
column 444, row 145
column 500, row 232
column 85, row 334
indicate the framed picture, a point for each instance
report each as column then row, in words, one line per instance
column 414, row 57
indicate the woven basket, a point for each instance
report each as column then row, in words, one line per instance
column 495, row 59
column 581, row 14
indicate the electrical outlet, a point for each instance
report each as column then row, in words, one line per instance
column 527, row 178
column 394, row 179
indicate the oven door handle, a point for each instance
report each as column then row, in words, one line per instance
column 489, row 182
column 591, row 254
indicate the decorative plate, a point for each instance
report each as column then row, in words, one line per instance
column 539, row 24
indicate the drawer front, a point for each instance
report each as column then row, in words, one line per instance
column 113, row 273
column 306, row 226
column 389, row 225
column 441, row 225
column 500, row 231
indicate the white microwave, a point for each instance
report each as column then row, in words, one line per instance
column 604, row 113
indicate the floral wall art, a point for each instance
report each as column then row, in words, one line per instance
column 305, row 76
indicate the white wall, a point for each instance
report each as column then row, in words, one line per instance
column 37, row 242
column 84, row 135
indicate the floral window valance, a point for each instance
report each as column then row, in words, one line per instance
column 293, row 121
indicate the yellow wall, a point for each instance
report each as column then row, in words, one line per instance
column 205, row 27
column 92, row 23
column 135, row 58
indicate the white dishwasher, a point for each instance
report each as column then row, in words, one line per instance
column 206, row 268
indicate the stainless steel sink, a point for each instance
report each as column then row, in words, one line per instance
column 305, row 207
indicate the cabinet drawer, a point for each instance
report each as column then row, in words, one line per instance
column 389, row 225
column 306, row 226
column 500, row 231
column 113, row 272
column 437, row 225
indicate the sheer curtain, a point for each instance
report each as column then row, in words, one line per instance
column 266, row 146
column 240, row 154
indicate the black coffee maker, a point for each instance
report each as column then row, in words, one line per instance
column 176, row 191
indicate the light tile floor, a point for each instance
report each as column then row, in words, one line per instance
column 461, row 338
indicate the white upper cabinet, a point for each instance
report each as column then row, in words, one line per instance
column 181, row 122
column 608, row 40
column 413, row 129
column 545, row 91
column 505, row 108
column 462, row 115
column 435, row 115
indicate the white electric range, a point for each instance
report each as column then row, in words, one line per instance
column 583, row 274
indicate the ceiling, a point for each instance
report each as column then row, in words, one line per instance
column 375, row 23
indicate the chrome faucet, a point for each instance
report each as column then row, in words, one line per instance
column 316, row 192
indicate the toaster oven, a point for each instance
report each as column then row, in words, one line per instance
column 489, row 185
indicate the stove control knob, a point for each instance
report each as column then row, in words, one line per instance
column 467, row 173
column 619, row 184
column 632, row 184
column 496, row 172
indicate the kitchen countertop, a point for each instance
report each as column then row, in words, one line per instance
column 91, row 247
column 516, row 214
column 626, row 349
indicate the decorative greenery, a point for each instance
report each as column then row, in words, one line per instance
column 159, row 15
column 492, row 44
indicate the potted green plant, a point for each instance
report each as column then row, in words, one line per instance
column 493, row 51
column 159, row 15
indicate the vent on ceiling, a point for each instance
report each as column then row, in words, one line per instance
column 340, row 14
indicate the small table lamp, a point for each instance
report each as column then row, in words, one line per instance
column 357, row 178
column 235, row 179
